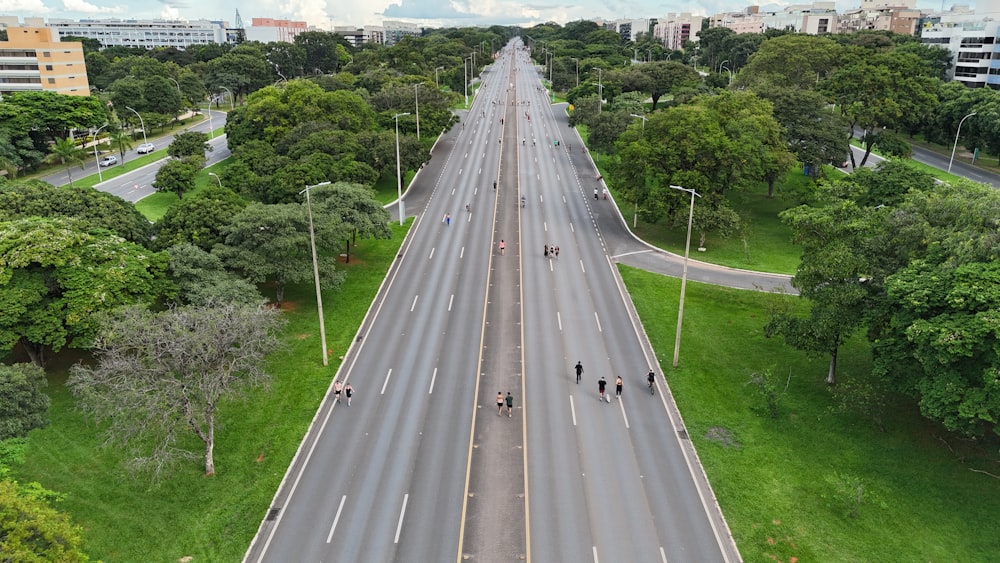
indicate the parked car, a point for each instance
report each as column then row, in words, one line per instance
column 109, row 160
column 145, row 148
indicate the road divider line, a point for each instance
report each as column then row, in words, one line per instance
column 402, row 512
column 663, row 555
column 582, row 269
column 572, row 410
column 545, row 226
column 571, row 229
column 624, row 415
column 461, row 253
column 598, row 319
column 336, row 519
column 431, row 257
column 559, row 320
column 386, row 382
column 433, row 377
column 450, row 301
column 413, row 306
column 596, row 560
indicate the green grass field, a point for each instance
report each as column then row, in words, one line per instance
column 209, row 519
column 776, row 480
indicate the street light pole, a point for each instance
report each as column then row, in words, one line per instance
column 100, row 178
column 723, row 66
column 437, row 83
column 465, row 68
column 600, row 89
column 955, row 146
column 141, row 124
column 232, row 99
column 416, row 105
column 635, row 216
column 312, row 243
column 399, row 175
column 577, row 70
column 220, row 181
column 684, row 275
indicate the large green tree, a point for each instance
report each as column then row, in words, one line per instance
column 177, row 176
column 199, row 219
column 24, row 405
column 355, row 206
column 31, row 530
column 56, row 276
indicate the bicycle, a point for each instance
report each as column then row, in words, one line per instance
column 650, row 380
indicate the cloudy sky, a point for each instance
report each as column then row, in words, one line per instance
column 325, row 13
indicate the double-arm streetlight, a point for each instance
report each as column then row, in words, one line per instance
column 100, row 178
column 437, row 83
column 723, row 66
column 312, row 244
column 684, row 275
column 141, row 124
column 232, row 99
column 957, row 133
column 399, row 175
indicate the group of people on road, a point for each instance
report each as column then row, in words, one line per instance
column 339, row 388
column 551, row 250
column 501, row 401
column 602, row 383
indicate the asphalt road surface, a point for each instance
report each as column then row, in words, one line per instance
column 422, row 467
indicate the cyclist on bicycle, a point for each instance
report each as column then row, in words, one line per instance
column 650, row 378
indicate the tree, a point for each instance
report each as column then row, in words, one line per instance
column 159, row 374
column 199, row 219
column 790, row 62
column 355, row 206
column 202, row 278
column 31, row 530
column 815, row 133
column 271, row 243
column 94, row 208
column 837, row 275
column 23, row 404
column 190, row 143
column 665, row 77
column 121, row 140
column 177, row 176
column 56, row 276
column 63, row 151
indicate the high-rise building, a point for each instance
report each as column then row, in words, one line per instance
column 147, row 34
column 267, row 30
column 31, row 60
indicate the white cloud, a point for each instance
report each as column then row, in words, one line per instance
column 84, row 7
column 25, row 7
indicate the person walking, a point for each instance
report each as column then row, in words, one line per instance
column 502, row 247
column 510, row 404
column 349, row 392
column 618, row 388
column 546, row 251
column 447, row 219
column 579, row 372
column 556, row 251
column 337, row 388
column 499, row 403
column 601, row 384
column 595, row 193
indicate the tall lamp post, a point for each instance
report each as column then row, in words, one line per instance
column 100, row 178
column 141, row 124
column 723, row 66
column 416, row 105
column 600, row 89
column 577, row 70
column 217, row 179
column 232, row 99
column 957, row 133
column 465, row 68
column 312, row 244
column 437, row 83
column 684, row 275
column 399, row 175
column 635, row 216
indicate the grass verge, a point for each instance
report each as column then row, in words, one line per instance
column 209, row 519
column 780, row 481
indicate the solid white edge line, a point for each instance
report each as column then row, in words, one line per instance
column 402, row 512
column 336, row 519
column 433, row 377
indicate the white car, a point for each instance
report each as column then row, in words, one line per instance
column 145, row 148
column 109, row 160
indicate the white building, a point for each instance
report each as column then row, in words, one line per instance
column 628, row 29
column 675, row 29
column 396, row 30
column 269, row 30
column 815, row 18
column 148, row 34
column 974, row 41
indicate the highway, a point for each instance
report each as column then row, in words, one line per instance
column 421, row 467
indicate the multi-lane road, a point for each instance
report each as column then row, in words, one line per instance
column 421, row 467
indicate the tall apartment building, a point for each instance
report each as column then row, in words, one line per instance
column 894, row 18
column 268, row 30
column 628, row 29
column 675, row 29
column 974, row 41
column 31, row 60
column 394, row 31
column 815, row 18
column 148, row 34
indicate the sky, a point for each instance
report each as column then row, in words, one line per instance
column 358, row 13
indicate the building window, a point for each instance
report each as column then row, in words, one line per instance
column 48, row 67
column 52, row 81
column 46, row 54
